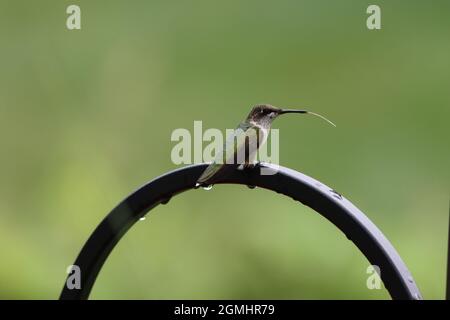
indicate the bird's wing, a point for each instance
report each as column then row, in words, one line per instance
column 235, row 144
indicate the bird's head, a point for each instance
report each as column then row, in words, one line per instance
column 264, row 114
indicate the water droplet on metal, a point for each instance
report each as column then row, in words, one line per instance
column 207, row 188
column 336, row 194
column 166, row 200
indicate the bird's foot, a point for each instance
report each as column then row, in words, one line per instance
column 249, row 170
column 251, row 166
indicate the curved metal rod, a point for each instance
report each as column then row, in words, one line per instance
column 330, row 204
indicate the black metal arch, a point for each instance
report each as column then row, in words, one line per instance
column 330, row 204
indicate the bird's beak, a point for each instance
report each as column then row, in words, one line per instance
column 283, row 111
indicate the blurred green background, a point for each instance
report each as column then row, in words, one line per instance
column 86, row 117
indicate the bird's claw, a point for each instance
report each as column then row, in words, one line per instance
column 252, row 166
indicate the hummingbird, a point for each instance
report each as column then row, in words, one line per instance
column 245, row 141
